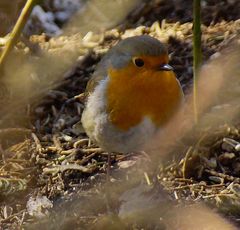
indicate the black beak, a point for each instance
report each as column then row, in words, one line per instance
column 165, row 67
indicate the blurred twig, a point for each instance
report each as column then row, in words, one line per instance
column 197, row 52
column 16, row 32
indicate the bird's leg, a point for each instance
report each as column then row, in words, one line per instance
column 108, row 167
column 108, row 197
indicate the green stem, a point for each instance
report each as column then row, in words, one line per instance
column 17, row 30
column 197, row 52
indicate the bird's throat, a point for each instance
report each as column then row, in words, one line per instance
column 133, row 96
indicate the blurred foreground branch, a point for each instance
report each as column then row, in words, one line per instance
column 197, row 53
column 15, row 34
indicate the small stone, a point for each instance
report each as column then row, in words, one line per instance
column 212, row 163
column 230, row 144
column 226, row 158
column 126, row 164
column 216, row 179
column 237, row 147
column 227, row 147
column 66, row 138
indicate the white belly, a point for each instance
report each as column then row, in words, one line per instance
column 98, row 127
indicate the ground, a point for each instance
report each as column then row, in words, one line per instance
column 60, row 166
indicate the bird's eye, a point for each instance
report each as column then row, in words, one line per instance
column 138, row 62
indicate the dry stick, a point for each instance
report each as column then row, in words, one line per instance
column 224, row 176
column 16, row 32
column 187, row 155
column 197, row 52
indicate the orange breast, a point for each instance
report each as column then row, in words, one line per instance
column 132, row 96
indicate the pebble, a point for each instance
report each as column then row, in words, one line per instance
column 216, row 179
column 226, row 158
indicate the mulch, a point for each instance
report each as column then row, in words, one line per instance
column 59, row 161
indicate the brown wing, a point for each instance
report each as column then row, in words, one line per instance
column 93, row 81
column 99, row 74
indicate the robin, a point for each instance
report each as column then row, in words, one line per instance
column 132, row 94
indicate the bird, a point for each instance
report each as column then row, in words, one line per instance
column 132, row 94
